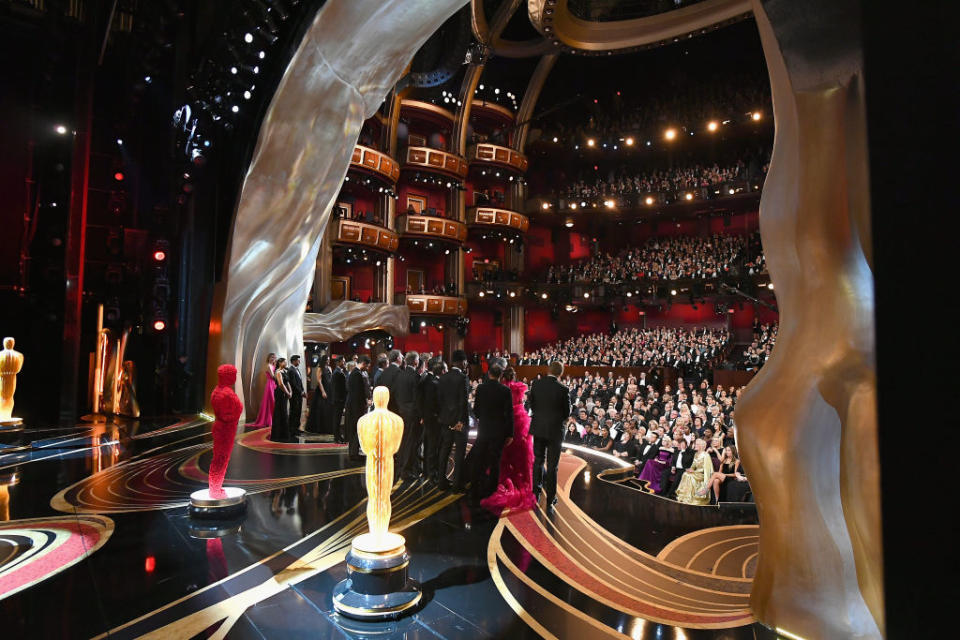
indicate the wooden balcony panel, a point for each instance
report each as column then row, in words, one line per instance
column 427, row 304
column 432, row 227
column 501, row 156
column 438, row 161
column 377, row 162
column 494, row 217
column 367, row 235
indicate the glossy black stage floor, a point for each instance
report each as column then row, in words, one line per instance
column 95, row 540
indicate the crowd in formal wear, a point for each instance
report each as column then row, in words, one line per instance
column 692, row 351
column 756, row 354
column 520, row 424
column 681, row 442
column 627, row 188
column 667, row 258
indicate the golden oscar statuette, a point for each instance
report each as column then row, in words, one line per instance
column 11, row 362
column 377, row 586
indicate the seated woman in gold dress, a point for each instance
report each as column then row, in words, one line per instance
column 693, row 485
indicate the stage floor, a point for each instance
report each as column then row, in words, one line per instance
column 95, row 540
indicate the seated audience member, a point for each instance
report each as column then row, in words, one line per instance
column 652, row 474
column 625, row 447
column 648, row 451
column 680, row 461
column 606, row 442
column 572, row 435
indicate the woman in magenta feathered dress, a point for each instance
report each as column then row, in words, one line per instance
column 265, row 414
column 515, row 490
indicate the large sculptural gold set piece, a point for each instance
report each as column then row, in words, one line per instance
column 806, row 424
column 11, row 361
column 352, row 54
column 378, row 586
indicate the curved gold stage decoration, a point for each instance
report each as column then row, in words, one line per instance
column 334, row 81
column 344, row 318
column 554, row 20
column 807, row 425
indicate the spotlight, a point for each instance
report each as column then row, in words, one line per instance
column 770, row 286
column 159, row 256
column 712, row 125
column 480, row 294
column 235, row 109
column 688, row 196
column 248, row 38
column 263, row 54
column 544, row 296
column 118, row 176
column 731, row 192
column 629, row 142
column 629, row 294
column 649, row 200
column 582, row 203
column 573, row 206
column 513, row 294
column 586, row 294
column 497, row 91
column 159, row 325
column 568, row 224
column 591, row 142
column 60, row 129
column 119, row 142
column 609, row 204
column 422, row 324
column 147, row 79
column 756, row 115
column 545, row 206
column 554, row 138
column 669, row 134
column 673, row 292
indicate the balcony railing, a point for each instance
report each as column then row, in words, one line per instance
column 425, row 158
column 655, row 199
column 367, row 235
column 494, row 154
column 487, row 217
column 376, row 162
column 435, row 305
column 432, row 227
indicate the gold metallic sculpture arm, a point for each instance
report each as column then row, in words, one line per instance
column 344, row 318
column 350, row 56
column 806, row 424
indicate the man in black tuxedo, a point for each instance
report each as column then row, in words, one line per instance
column 405, row 387
column 378, row 370
column 493, row 406
column 429, row 409
column 358, row 393
column 337, row 398
column 389, row 377
column 550, row 404
column 680, row 461
column 453, row 388
column 298, row 393
column 649, row 450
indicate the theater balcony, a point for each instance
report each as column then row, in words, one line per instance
column 431, row 228
column 492, row 218
column 426, row 114
column 495, row 292
column 426, row 304
column 447, row 164
column 370, row 162
column 364, row 234
column 489, row 155
column 491, row 113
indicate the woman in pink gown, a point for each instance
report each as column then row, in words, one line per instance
column 265, row 414
column 515, row 490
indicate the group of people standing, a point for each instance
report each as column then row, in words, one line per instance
column 283, row 392
column 512, row 459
